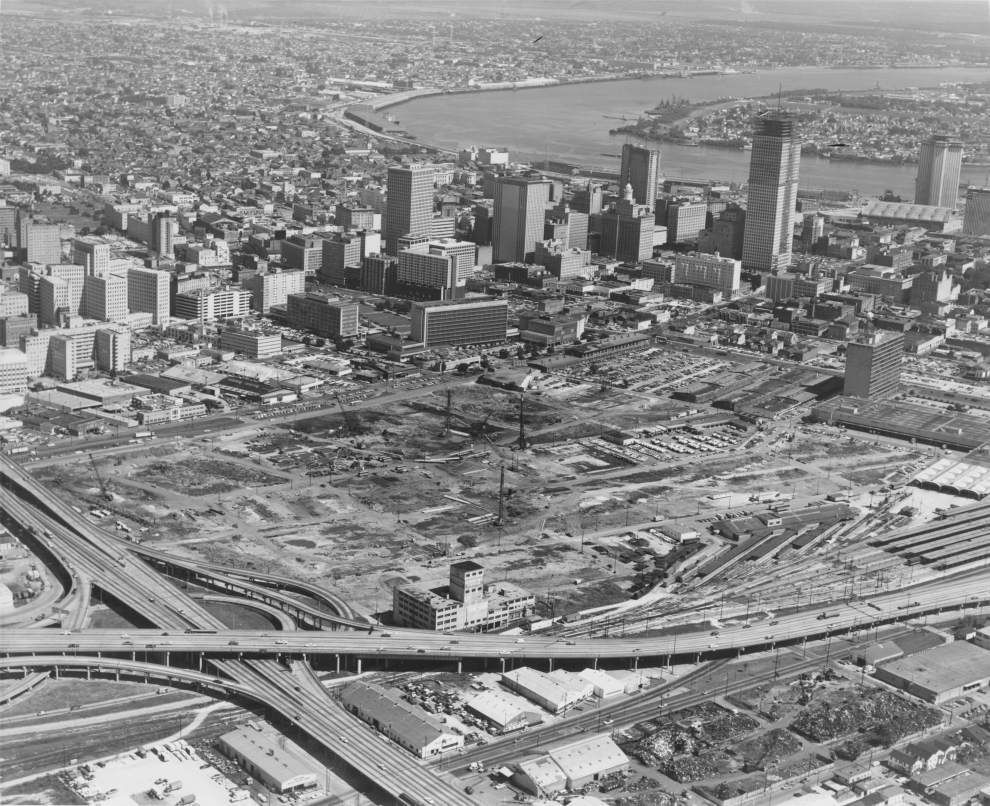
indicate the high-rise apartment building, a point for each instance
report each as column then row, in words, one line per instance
column 149, row 291
column 112, row 348
column 685, row 220
column 303, row 252
column 423, row 274
column 340, row 253
column 939, row 168
column 977, row 218
column 463, row 253
column 409, row 206
column 641, row 169
column 873, row 366
column 520, row 208
column 773, row 183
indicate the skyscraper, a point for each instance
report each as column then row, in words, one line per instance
column 873, row 366
column 641, row 169
column 409, row 207
column 520, row 208
column 977, row 220
column 162, row 230
column 773, row 184
column 939, row 167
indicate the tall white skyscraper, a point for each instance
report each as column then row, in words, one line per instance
column 773, row 184
column 520, row 210
column 641, row 169
column 409, row 206
column 939, row 168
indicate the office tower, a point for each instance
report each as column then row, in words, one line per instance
column 442, row 227
column 812, row 231
column 8, row 225
column 162, row 233
column 685, row 220
column 149, row 291
column 41, row 243
column 55, row 301
column 105, row 298
column 303, row 252
column 273, row 287
column 340, row 253
column 323, row 315
column 641, row 169
column 481, row 232
column 409, row 206
column 977, row 219
column 626, row 231
column 520, row 207
column 589, row 201
column 454, row 322
column 873, row 366
column 939, row 167
column 773, row 184
column 568, row 226
column 92, row 253
column 726, row 236
column 377, row 275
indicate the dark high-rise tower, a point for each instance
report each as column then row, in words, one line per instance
column 409, row 207
column 939, row 167
column 641, row 169
column 773, row 184
column 520, row 210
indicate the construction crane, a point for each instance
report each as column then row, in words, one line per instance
column 351, row 425
column 104, row 492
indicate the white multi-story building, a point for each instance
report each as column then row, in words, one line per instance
column 274, row 287
column 13, row 371
column 105, row 298
column 211, row 305
column 710, row 271
column 113, row 348
column 148, row 290
column 92, row 253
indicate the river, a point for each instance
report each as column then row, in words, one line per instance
column 568, row 122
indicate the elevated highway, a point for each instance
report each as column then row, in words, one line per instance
column 271, row 685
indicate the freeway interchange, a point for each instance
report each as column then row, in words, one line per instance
column 185, row 644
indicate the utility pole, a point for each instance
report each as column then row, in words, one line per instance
column 446, row 418
column 522, row 425
column 501, row 496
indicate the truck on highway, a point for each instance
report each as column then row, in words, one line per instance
column 142, row 434
column 824, row 615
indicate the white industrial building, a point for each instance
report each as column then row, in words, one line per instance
column 604, row 685
column 552, row 693
column 506, row 712
column 571, row 766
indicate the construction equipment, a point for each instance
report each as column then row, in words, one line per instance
column 352, row 425
column 104, row 492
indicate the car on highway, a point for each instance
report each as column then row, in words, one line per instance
column 281, row 642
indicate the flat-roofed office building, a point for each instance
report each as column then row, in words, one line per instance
column 453, row 322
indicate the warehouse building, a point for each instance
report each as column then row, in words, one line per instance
column 571, row 766
column 551, row 693
column 267, row 758
column 403, row 723
column 504, row 712
column 939, row 674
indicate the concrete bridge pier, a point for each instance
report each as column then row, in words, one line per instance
column 502, row 660
column 550, row 664
column 338, row 663
column 56, row 673
column 596, row 663
column 358, row 665
column 460, row 666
